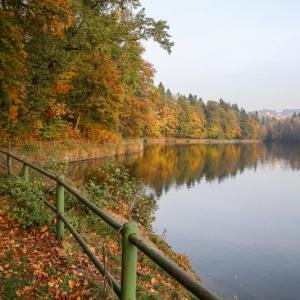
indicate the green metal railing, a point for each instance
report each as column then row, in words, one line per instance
column 131, row 240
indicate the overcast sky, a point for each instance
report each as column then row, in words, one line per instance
column 245, row 51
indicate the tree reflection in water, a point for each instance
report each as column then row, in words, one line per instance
column 162, row 166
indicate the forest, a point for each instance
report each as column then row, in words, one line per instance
column 287, row 130
column 81, row 75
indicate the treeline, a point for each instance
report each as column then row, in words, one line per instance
column 286, row 130
column 74, row 69
column 189, row 116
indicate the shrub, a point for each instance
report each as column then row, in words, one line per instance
column 27, row 206
column 95, row 132
column 116, row 190
column 29, row 147
column 59, row 167
column 55, row 130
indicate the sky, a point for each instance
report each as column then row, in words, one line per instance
column 244, row 51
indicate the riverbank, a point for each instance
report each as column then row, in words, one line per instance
column 33, row 264
column 186, row 141
column 77, row 150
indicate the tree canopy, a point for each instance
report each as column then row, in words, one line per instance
column 75, row 68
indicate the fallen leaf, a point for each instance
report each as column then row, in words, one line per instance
column 44, row 228
column 71, row 284
column 61, row 252
column 85, row 283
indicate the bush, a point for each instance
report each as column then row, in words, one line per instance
column 59, row 167
column 116, row 190
column 29, row 147
column 55, row 130
column 27, row 206
column 95, row 132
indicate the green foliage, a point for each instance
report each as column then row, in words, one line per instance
column 26, row 202
column 59, row 167
column 55, row 130
column 117, row 190
column 29, row 148
column 143, row 208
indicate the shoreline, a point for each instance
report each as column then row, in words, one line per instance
column 81, row 150
column 187, row 141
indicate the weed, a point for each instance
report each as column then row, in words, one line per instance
column 65, row 284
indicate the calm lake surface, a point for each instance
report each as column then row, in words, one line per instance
column 233, row 209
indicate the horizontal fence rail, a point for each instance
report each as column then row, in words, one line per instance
column 171, row 267
column 131, row 240
column 116, row 286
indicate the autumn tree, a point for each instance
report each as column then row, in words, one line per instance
column 72, row 69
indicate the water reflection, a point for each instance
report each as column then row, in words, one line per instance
column 288, row 153
column 162, row 167
column 232, row 208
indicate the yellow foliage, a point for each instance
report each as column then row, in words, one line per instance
column 13, row 59
column 56, row 110
column 13, row 112
column 64, row 83
column 36, row 129
column 73, row 133
column 71, row 284
column 106, row 73
column 97, row 133
column 14, row 92
column 58, row 13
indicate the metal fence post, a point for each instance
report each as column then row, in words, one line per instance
column 9, row 164
column 129, row 261
column 25, row 172
column 60, row 205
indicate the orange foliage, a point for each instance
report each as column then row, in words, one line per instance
column 13, row 112
column 56, row 111
column 73, row 133
column 58, row 13
column 13, row 60
column 64, row 84
column 147, row 74
column 14, row 92
column 97, row 133
column 106, row 91
column 106, row 74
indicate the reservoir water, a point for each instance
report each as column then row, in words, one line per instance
column 234, row 209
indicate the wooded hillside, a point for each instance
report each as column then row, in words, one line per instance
column 75, row 69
